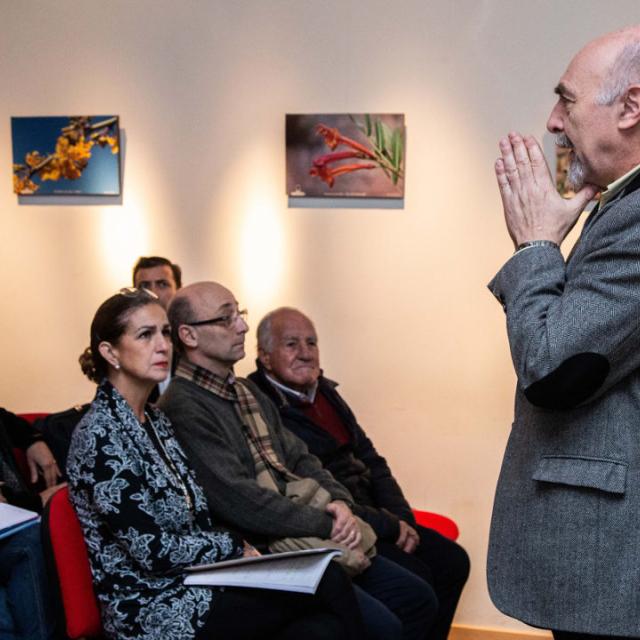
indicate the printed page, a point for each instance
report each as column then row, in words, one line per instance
column 299, row 571
column 13, row 519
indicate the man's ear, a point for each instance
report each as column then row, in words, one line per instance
column 188, row 336
column 265, row 358
column 630, row 114
column 109, row 353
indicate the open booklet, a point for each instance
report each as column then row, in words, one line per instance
column 13, row 519
column 299, row 571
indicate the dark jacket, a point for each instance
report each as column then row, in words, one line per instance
column 357, row 465
column 15, row 432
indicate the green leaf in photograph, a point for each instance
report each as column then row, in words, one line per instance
column 379, row 135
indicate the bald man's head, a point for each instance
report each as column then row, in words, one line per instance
column 207, row 326
column 597, row 115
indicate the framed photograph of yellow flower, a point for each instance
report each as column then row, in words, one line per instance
column 345, row 155
column 66, row 155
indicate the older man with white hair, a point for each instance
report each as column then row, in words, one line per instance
column 311, row 408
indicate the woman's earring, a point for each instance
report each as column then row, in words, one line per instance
column 117, row 366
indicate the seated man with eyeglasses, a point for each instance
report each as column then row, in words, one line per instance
column 244, row 459
column 311, row 408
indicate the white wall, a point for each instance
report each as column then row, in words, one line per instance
column 398, row 296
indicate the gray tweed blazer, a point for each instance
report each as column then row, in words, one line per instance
column 564, row 549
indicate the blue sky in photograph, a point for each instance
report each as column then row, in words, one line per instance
column 100, row 177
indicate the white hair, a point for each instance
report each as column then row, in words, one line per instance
column 624, row 71
column 264, row 330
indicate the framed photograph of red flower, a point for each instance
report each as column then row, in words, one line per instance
column 350, row 155
column 66, row 155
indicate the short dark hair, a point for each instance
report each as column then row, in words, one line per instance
column 180, row 312
column 109, row 323
column 158, row 261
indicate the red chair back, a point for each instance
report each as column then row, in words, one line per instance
column 443, row 525
column 72, row 565
column 32, row 417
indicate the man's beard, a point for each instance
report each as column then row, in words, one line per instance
column 577, row 170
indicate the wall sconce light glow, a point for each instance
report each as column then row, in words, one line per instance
column 262, row 245
column 123, row 238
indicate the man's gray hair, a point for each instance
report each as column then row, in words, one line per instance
column 624, row 71
column 180, row 312
column 264, row 330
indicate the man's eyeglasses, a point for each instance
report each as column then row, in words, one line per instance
column 226, row 321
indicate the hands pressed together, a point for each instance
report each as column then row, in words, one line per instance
column 533, row 208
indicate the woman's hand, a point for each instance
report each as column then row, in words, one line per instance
column 250, row 551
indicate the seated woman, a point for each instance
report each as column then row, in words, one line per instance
column 145, row 518
column 25, row 608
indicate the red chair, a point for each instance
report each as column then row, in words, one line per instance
column 32, row 417
column 69, row 554
column 443, row 525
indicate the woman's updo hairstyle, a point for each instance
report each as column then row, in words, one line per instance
column 108, row 325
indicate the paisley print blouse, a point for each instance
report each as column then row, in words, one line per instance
column 144, row 519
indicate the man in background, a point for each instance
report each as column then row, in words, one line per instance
column 159, row 275
column 311, row 408
column 563, row 550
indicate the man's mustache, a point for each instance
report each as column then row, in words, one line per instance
column 563, row 141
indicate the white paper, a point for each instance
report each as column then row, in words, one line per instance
column 299, row 571
column 12, row 519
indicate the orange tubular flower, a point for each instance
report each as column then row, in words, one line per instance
column 333, row 137
column 321, row 167
column 328, row 158
column 322, row 170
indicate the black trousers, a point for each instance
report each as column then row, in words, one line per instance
column 248, row 614
column 442, row 563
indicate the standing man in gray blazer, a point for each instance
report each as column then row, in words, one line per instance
column 564, row 552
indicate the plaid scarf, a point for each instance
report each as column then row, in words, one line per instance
column 254, row 427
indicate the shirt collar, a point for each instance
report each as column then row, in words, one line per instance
column 306, row 397
column 618, row 185
column 218, row 385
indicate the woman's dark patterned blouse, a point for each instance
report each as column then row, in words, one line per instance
column 138, row 525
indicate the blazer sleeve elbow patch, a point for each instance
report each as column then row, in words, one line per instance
column 573, row 382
